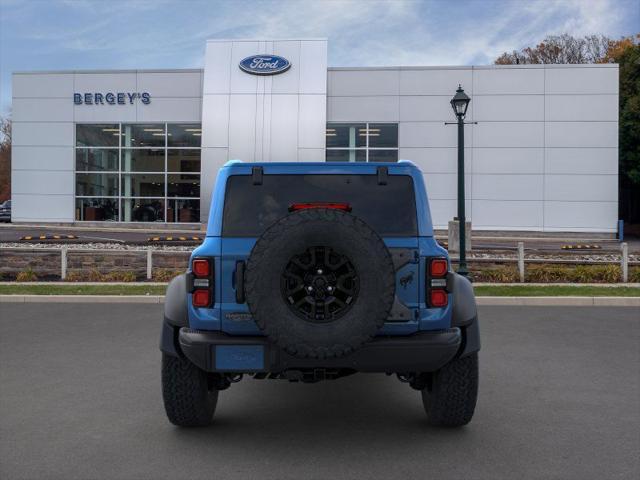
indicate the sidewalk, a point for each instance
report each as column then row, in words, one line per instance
column 102, row 227
column 475, row 284
column 81, row 284
column 560, row 301
column 532, row 284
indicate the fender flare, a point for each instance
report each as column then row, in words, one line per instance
column 175, row 302
column 175, row 315
column 464, row 312
column 464, row 309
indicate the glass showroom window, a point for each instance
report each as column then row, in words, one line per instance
column 362, row 142
column 138, row 172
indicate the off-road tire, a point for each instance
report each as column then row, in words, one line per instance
column 450, row 397
column 292, row 235
column 189, row 397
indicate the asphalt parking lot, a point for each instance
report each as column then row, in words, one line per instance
column 80, row 398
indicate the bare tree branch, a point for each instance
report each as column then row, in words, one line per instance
column 560, row 49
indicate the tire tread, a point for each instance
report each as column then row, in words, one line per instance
column 451, row 401
column 188, row 401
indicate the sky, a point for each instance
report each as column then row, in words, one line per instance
column 129, row 34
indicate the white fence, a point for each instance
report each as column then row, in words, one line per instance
column 147, row 257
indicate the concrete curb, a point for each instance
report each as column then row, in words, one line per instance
column 561, row 301
column 82, row 284
column 484, row 301
column 88, row 228
column 537, row 284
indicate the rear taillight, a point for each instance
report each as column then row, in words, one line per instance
column 439, row 267
column 437, row 282
column 201, row 298
column 202, row 286
column 200, row 267
column 332, row 205
column 438, row 298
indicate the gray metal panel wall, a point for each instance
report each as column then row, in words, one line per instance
column 543, row 156
column 262, row 118
column 44, row 114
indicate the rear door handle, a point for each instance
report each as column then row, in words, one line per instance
column 239, row 281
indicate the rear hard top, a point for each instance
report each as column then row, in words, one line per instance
column 390, row 197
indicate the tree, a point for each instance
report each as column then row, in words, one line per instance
column 560, row 49
column 626, row 53
column 5, row 159
column 600, row 49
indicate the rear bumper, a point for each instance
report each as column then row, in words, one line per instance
column 218, row 352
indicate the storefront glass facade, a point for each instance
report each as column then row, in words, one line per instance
column 138, row 172
column 362, row 142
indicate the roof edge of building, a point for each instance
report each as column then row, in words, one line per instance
column 227, row 40
column 106, row 71
column 337, row 69
column 478, row 67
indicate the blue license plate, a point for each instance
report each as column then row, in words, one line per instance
column 239, row 357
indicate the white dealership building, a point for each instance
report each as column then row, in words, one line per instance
column 145, row 145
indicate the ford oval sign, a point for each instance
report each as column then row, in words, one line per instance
column 265, row 64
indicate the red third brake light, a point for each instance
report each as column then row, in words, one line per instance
column 200, row 268
column 304, row 206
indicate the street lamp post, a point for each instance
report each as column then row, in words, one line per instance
column 460, row 103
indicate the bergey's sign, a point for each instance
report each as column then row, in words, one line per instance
column 265, row 64
column 110, row 98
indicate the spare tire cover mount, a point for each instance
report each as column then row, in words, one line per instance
column 350, row 272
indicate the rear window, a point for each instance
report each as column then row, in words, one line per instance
column 389, row 209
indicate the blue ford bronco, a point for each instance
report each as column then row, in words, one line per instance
column 316, row 271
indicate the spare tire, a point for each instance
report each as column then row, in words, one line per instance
column 320, row 283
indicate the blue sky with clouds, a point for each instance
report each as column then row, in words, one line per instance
column 122, row 34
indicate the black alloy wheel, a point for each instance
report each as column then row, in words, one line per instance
column 320, row 285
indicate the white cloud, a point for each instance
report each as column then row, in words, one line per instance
column 425, row 33
column 520, row 23
column 594, row 16
column 399, row 32
column 172, row 34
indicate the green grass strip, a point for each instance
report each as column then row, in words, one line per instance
column 555, row 291
column 54, row 289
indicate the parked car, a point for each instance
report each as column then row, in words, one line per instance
column 5, row 211
column 313, row 272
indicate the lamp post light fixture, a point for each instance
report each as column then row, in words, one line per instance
column 460, row 103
